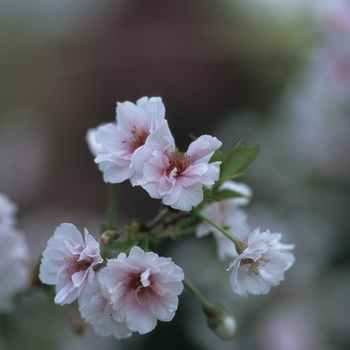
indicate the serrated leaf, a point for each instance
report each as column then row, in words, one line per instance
column 235, row 159
column 209, row 195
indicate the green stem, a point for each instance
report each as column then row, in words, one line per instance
column 175, row 234
column 112, row 206
column 218, row 319
column 150, row 224
column 228, row 234
column 206, row 304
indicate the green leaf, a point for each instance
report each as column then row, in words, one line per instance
column 227, row 194
column 235, row 159
column 216, row 157
column 209, row 195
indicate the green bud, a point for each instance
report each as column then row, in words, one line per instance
column 221, row 322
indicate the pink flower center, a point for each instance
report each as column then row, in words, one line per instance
column 138, row 138
column 254, row 265
column 75, row 265
column 133, row 281
column 138, row 284
column 83, row 265
column 178, row 161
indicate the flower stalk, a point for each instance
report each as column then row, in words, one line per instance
column 240, row 245
column 218, row 319
column 206, row 304
column 112, row 206
column 157, row 219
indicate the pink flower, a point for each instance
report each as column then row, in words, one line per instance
column 261, row 265
column 68, row 263
column 228, row 214
column 142, row 288
column 100, row 314
column 7, row 212
column 115, row 144
column 178, row 178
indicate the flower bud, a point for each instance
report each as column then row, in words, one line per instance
column 109, row 236
column 77, row 325
column 221, row 322
column 224, row 327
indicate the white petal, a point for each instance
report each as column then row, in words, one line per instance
column 202, row 149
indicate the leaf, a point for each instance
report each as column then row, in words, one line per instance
column 216, row 157
column 227, row 194
column 209, row 195
column 235, row 159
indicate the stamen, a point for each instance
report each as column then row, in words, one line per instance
column 138, row 139
column 254, row 265
column 83, row 265
column 179, row 161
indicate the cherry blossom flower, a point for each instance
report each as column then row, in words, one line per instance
column 261, row 265
column 142, row 288
column 7, row 212
column 14, row 256
column 14, row 266
column 228, row 214
column 178, row 178
column 68, row 263
column 100, row 314
column 115, row 144
column 94, row 146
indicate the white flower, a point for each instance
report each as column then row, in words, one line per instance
column 141, row 288
column 14, row 267
column 68, row 263
column 7, row 212
column 115, row 144
column 94, row 147
column 99, row 313
column 178, row 178
column 14, row 256
column 261, row 265
column 228, row 214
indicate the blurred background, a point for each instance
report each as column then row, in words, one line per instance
column 276, row 72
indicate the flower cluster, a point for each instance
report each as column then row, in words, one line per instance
column 127, row 295
column 120, row 284
column 14, row 256
column 140, row 147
